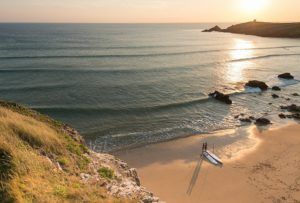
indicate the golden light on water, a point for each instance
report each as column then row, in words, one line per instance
column 241, row 49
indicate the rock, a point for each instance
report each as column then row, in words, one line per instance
column 287, row 76
column 123, row 165
column 291, row 108
column 296, row 94
column 237, row 116
column 288, row 99
column 296, row 116
column 246, row 120
column 252, row 117
column 257, row 84
column 275, row 96
column 214, row 29
column 58, row 166
column 276, row 88
column 221, row 97
column 270, row 103
column 85, row 176
column 134, row 175
column 282, row 116
column 262, row 121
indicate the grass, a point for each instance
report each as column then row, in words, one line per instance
column 30, row 146
column 106, row 173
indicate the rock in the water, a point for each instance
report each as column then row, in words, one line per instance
column 214, row 29
column 282, row 116
column 296, row 94
column 252, row 117
column 276, row 88
column 245, row 120
column 257, row 84
column 262, row 121
column 291, row 108
column 287, row 76
column 296, row 116
column 275, row 96
column 221, row 97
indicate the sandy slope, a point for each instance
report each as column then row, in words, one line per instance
column 175, row 172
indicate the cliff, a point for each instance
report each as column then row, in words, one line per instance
column 263, row 29
column 43, row 160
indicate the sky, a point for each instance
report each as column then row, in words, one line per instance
column 148, row 11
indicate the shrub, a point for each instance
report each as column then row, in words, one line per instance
column 60, row 191
column 106, row 173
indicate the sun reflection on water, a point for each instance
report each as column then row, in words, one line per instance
column 235, row 70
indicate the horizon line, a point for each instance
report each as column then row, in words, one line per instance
column 49, row 22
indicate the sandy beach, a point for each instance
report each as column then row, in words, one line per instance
column 268, row 172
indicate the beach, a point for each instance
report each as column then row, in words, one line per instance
column 268, row 171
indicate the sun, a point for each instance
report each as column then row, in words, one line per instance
column 253, row 6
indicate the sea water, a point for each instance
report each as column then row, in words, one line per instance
column 125, row 85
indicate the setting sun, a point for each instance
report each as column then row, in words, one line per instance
column 253, row 5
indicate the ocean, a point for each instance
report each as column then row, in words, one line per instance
column 127, row 85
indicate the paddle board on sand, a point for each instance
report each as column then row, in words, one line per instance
column 214, row 157
column 210, row 158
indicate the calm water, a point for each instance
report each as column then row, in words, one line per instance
column 126, row 85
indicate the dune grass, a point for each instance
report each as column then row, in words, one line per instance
column 31, row 148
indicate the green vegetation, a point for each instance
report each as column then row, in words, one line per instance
column 106, row 173
column 31, row 146
column 60, row 191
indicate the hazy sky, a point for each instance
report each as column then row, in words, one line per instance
column 155, row 11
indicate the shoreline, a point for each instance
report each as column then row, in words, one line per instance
column 174, row 171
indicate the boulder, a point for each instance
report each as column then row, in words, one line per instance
column 245, row 120
column 221, row 97
column 257, row 84
column 252, row 117
column 287, row 76
column 296, row 116
column 276, row 88
column 282, row 116
column 295, row 94
column 262, row 121
column 291, row 108
column 275, row 96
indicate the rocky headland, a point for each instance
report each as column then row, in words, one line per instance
column 263, row 29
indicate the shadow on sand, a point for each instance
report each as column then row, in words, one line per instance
column 196, row 173
column 195, row 176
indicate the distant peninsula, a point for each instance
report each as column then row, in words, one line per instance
column 262, row 29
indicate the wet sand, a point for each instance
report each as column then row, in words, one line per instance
column 268, row 172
